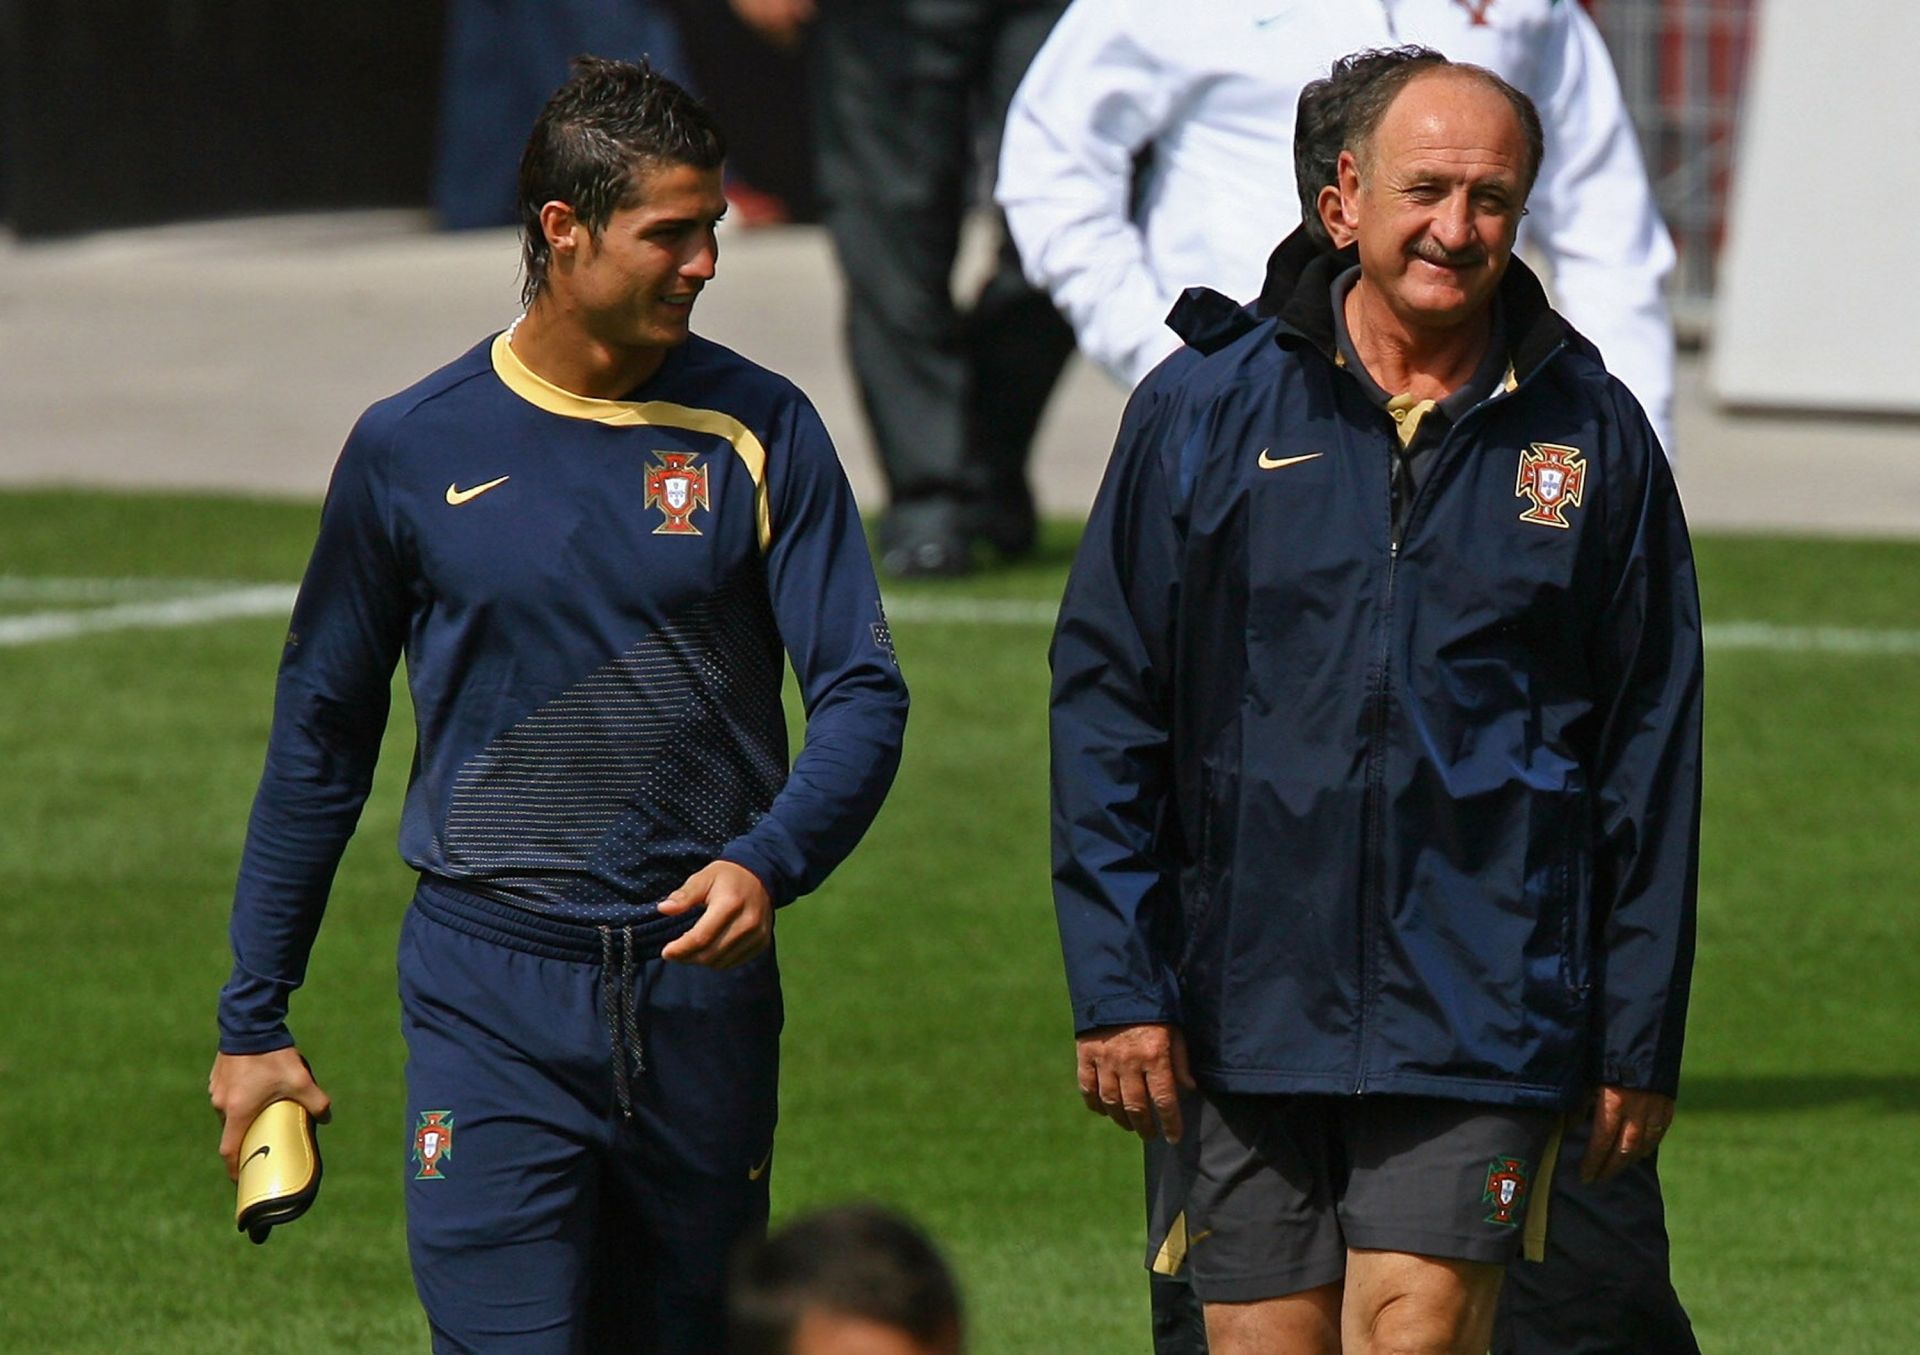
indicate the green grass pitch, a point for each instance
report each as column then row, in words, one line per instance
column 928, row 1061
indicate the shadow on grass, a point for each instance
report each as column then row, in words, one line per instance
column 1898, row 1093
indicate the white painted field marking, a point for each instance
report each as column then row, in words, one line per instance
column 1760, row 635
column 974, row 611
column 146, row 603
column 273, row 599
column 24, row 588
column 1809, row 639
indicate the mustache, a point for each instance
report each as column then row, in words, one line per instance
column 1435, row 253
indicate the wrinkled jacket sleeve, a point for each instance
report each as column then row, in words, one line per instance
column 1114, row 882
column 1647, row 663
column 329, row 711
column 1594, row 217
column 827, row 606
column 1094, row 96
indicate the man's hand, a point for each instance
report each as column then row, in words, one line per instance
column 242, row 1085
column 739, row 919
column 778, row 21
column 1133, row 1075
column 1627, row 1126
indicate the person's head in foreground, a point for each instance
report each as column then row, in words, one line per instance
column 855, row 1280
column 620, row 190
column 1434, row 179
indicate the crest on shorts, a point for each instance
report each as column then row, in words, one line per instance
column 1506, row 1190
column 432, row 1144
column 676, row 487
column 1552, row 479
column 1476, row 10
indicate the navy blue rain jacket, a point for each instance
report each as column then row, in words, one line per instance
column 1365, row 816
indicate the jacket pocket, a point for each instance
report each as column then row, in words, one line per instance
column 1201, row 884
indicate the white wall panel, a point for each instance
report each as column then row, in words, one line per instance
column 1819, row 301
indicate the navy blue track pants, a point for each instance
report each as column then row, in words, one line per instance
column 589, row 1130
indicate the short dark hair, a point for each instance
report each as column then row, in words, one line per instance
column 1320, row 122
column 855, row 1260
column 610, row 119
column 1370, row 104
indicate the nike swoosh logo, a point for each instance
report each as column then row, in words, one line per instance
column 456, row 497
column 1271, row 463
column 755, row 1173
column 1199, row 1237
column 262, row 1151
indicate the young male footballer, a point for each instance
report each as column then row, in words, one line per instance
column 595, row 537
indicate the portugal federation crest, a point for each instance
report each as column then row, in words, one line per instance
column 433, row 1144
column 676, row 487
column 1506, row 1190
column 1552, row 478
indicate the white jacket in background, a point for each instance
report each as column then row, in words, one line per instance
column 1206, row 90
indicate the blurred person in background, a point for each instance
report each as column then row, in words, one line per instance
column 853, row 1280
column 503, row 58
column 908, row 101
column 1149, row 150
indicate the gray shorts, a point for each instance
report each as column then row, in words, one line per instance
column 1283, row 1186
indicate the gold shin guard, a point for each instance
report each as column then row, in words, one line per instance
column 279, row 1169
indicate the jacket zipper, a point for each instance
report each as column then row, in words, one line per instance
column 1374, row 888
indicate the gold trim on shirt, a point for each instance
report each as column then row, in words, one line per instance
column 536, row 390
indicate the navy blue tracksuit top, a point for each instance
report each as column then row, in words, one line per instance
column 594, row 598
column 1372, row 811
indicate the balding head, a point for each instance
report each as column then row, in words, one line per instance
column 1371, row 102
column 1434, row 193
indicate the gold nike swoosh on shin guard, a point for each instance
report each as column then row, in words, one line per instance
column 1272, row 463
column 457, row 496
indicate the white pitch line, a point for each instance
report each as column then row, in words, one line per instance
column 1756, row 635
column 1809, row 639
column 974, row 611
column 1761, row 635
column 27, row 588
column 275, row 599
column 208, row 601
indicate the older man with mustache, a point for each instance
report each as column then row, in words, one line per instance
column 1376, row 747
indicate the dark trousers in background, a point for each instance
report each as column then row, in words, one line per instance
column 1603, row 1288
column 504, row 58
column 909, row 99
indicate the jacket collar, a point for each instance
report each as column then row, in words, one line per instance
column 1300, row 279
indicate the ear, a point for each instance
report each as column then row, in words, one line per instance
column 1348, row 170
column 1333, row 218
column 561, row 228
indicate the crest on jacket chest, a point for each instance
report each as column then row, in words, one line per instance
column 676, row 487
column 1552, row 478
